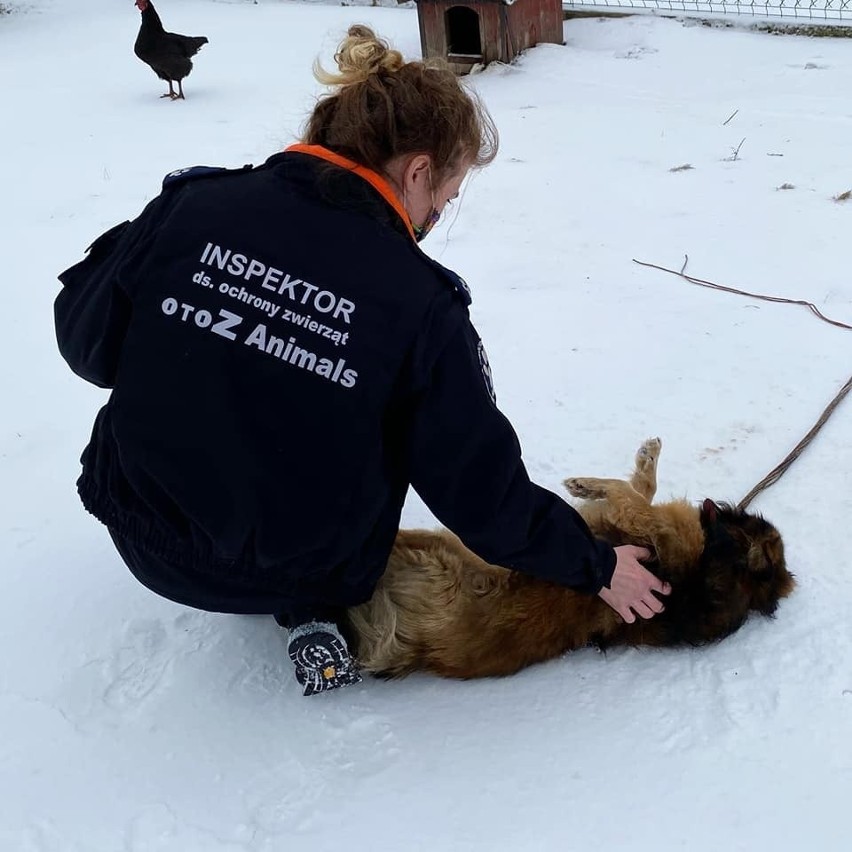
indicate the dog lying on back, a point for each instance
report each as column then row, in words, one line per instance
column 440, row 608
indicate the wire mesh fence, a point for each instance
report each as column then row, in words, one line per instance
column 813, row 10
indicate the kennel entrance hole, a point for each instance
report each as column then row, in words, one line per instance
column 463, row 32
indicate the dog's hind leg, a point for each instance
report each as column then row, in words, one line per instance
column 644, row 478
column 669, row 529
column 594, row 488
column 621, row 505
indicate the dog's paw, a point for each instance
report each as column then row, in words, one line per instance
column 585, row 488
column 648, row 453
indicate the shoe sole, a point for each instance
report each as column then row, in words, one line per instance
column 322, row 662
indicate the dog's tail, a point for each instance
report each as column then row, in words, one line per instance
column 378, row 648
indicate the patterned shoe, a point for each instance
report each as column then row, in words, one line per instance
column 321, row 657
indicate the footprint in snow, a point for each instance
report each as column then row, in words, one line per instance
column 636, row 52
column 333, row 753
column 138, row 666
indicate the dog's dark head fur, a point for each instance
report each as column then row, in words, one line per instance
column 750, row 549
column 741, row 569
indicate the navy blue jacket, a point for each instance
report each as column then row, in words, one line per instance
column 285, row 362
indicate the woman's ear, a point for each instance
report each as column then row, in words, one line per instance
column 417, row 173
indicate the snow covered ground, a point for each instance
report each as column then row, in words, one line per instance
column 134, row 725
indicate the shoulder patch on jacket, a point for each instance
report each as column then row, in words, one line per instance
column 194, row 172
column 486, row 370
column 458, row 283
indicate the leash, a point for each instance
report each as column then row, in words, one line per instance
column 776, row 473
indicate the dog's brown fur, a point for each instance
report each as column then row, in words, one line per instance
column 442, row 609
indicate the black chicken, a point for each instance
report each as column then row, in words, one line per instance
column 169, row 54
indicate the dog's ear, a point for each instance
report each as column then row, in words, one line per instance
column 762, row 580
column 760, row 561
column 708, row 511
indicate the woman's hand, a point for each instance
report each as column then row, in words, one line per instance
column 631, row 591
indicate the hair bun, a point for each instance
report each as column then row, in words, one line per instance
column 358, row 56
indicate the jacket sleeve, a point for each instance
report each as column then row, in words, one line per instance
column 466, row 465
column 92, row 311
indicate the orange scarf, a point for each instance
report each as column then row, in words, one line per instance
column 373, row 178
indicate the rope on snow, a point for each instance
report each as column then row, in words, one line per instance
column 775, row 474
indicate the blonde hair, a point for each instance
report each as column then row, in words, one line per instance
column 360, row 54
column 384, row 107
